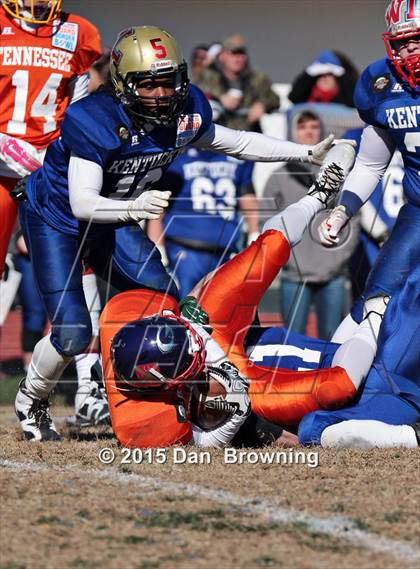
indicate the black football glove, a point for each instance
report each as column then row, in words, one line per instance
column 18, row 194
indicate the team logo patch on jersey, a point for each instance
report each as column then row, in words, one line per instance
column 66, row 36
column 381, row 83
column 188, row 126
column 397, row 88
column 122, row 132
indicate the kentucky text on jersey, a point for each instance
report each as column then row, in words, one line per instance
column 213, row 170
column 143, row 163
column 35, row 57
column 403, row 117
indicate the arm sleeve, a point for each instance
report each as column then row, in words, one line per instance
column 376, row 150
column 85, row 183
column 251, row 145
column 218, row 437
column 79, row 87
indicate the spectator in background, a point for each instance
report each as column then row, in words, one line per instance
column 245, row 93
column 199, row 60
column 314, row 274
column 331, row 78
column 99, row 72
column 202, row 227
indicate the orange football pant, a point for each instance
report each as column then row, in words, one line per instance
column 8, row 214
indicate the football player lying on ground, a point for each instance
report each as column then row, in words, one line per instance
column 154, row 366
column 96, row 186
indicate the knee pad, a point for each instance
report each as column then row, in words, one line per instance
column 72, row 334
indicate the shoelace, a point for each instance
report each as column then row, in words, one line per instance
column 329, row 183
column 40, row 412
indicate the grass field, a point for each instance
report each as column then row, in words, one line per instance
column 62, row 508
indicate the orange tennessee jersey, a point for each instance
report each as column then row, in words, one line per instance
column 36, row 68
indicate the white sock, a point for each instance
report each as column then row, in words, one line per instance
column 368, row 434
column 84, row 363
column 45, row 369
column 295, row 219
column 356, row 355
column 345, row 330
column 90, row 288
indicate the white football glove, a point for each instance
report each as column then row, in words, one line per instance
column 149, row 205
column 236, row 386
column 317, row 153
column 330, row 228
column 19, row 155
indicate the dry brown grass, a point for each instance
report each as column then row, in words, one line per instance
column 65, row 517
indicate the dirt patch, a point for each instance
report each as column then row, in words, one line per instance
column 58, row 517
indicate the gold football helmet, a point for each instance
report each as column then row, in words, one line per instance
column 147, row 52
column 33, row 11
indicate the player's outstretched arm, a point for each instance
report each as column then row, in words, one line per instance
column 261, row 148
column 85, row 184
column 375, row 153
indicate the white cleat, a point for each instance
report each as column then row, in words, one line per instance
column 334, row 170
column 34, row 417
column 92, row 407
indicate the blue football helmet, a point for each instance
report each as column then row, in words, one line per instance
column 156, row 353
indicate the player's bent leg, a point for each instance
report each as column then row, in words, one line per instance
column 8, row 214
column 232, row 294
column 285, row 397
column 91, row 405
column 139, row 421
column 384, row 407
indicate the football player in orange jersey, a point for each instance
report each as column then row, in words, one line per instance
column 45, row 56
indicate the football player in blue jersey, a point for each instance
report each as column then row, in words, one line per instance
column 202, row 227
column 95, row 187
column 387, row 97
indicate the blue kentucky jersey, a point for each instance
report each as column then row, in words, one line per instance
column 98, row 129
column 385, row 101
column 281, row 348
column 206, row 187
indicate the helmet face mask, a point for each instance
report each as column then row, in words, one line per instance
column 33, row 11
column 156, row 354
column 151, row 56
column 403, row 23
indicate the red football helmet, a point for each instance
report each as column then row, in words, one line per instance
column 403, row 23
